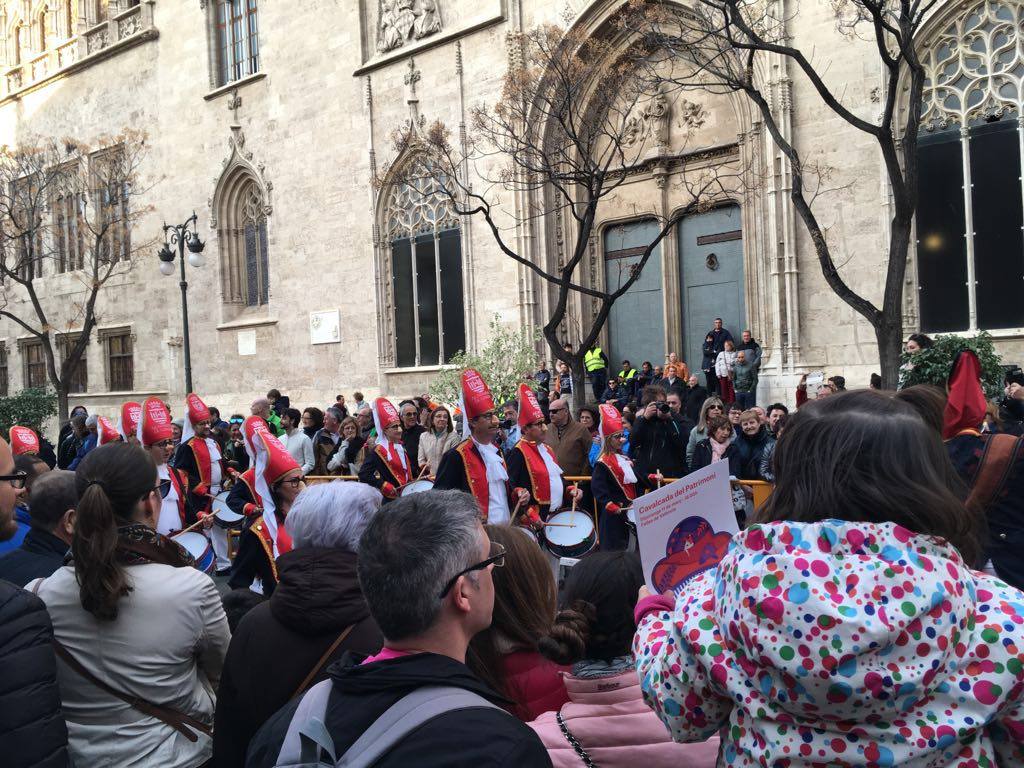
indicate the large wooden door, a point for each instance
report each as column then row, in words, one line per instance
column 636, row 324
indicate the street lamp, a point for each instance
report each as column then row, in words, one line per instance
column 182, row 236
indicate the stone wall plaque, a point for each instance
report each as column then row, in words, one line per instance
column 247, row 343
column 325, row 327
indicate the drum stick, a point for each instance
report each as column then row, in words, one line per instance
column 572, row 518
column 196, row 524
column 558, row 525
column 515, row 512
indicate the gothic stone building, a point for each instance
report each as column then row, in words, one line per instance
column 272, row 119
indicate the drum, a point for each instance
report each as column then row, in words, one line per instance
column 417, row 486
column 223, row 517
column 570, row 534
column 199, row 547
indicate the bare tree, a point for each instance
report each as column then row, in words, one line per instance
column 66, row 208
column 573, row 124
column 725, row 44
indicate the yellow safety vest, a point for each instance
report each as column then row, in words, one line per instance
column 592, row 360
column 628, row 376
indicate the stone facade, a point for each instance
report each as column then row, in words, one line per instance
column 302, row 135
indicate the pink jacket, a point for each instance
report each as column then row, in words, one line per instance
column 609, row 719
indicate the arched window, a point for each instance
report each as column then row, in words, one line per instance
column 970, row 243
column 41, row 24
column 19, row 44
column 241, row 212
column 69, row 18
column 425, row 274
column 237, row 44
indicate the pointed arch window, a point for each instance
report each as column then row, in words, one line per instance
column 241, row 213
column 425, row 271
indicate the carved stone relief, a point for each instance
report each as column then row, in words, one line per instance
column 652, row 120
column 400, row 21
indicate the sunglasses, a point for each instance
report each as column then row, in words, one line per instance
column 497, row 559
column 162, row 488
column 17, row 480
column 556, row 410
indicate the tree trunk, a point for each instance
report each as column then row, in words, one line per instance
column 579, row 383
column 62, row 404
column 890, row 345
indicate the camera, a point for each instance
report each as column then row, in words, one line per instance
column 506, row 424
column 663, row 407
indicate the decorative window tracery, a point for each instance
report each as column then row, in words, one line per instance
column 425, row 283
column 970, row 243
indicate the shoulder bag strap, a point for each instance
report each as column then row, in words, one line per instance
column 323, row 660
column 176, row 720
column 995, row 465
column 577, row 747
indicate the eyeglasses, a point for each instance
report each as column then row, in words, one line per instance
column 497, row 559
column 292, row 481
column 556, row 410
column 163, row 444
column 17, row 480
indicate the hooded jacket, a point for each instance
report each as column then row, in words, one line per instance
column 835, row 642
column 469, row 738
column 280, row 641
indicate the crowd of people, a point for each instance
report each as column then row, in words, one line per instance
column 394, row 594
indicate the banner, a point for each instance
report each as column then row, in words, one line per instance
column 684, row 528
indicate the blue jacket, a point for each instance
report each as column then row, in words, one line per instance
column 22, row 519
column 87, row 445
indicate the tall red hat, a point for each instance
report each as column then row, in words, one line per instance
column 155, row 424
column 384, row 415
column 965, row 404
column 131, row 414
column 529, row 409
column 106, row 432
column 250, row 427
column 197, row 410
column 23, row 440
column 476, row 397
column 279, row 460
column 272, row 462
column 611, row 420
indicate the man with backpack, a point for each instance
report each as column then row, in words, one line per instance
column 425, row 571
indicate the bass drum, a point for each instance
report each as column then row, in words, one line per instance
column 570, row 534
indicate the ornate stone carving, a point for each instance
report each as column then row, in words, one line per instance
column 417, row 206
column 128, row 26
column 652, row 120
column 98, row 40
column 399, row 21
column 240, row 156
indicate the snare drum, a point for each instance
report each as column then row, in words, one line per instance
column 418, row 486
column 571, row 535
column 223, row 517
column 199, row 547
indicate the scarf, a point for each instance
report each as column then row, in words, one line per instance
column 497, row 476
column 589, row 669
column 138, row 544
column 718, row 449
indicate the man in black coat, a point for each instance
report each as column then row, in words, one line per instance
column 32, row 729
column 657, row 441
column 51, row 518
column 693, row 398
column 428, row 612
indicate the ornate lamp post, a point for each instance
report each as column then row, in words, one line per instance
column 182, row 236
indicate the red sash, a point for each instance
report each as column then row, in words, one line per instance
column 180, row 482
column 203, row 461
column 249, row 478
column 612, row 464
column 394, row 464
column 537, row 470
column 476, row 474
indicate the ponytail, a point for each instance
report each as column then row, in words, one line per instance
column 110, row 481
column 567, row 641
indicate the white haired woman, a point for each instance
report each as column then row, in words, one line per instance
column 316, row 615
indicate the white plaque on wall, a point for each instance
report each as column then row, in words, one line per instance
column 325, row 327
column 246, row 343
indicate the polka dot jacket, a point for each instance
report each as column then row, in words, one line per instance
column 841, row 644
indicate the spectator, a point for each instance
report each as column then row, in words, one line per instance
column 627, row 379
column 657, row 442
column 863, row 491
column 767, row 458
column 775, row 412
column 718, row 446
column 569, row 439
column 438, row 441
column 216, row 422
column 543, row 377
column 751, row 444
column 693, row 398
column 52, row 520
column 875, row 382
column 425, row 570
column 359, row 403
column 312, row 421
column 644, row 378
column 327, row 443
column 675, row 409
column 278, row 403
column 176, row 429
column 606, row 721
column 711, row 407
column 234, row 450
column 316, row 615
column 615, row 393
column 352, row 452
column 505, row 655
column 682, row 369
column 671, row 381
column 733, row 413
column 263, row 408
column 339, row 403
column 596, row 363
column 563, row 385
column 139, row 623
column 364, row 418
column 707, row 365
column 33, row 734
column 411, row 432
column 725, row 369
column 838, row 383
column 295, row 440
column 917, row 342
column 745, row 381
column 719, row 336
column 752, row 348
column 88, row 442
column 29, row 466
column 510, row 424
column 71, row 436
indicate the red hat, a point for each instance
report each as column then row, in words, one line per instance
column 279, row 460
column 272, row 462
column 611, row 420
column 197, row 410
column 529, row 408
column 155, row 424
column 384, row 415
column 106, row 432
column 476, row 397
column 965, row 404
column 23, row 440
column 131, row 414
column 250, row 427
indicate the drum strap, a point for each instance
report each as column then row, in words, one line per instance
column 323, row 660
column 182, row 723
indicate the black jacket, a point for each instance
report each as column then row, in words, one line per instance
column 280, row 641
column 693, row 399
column 32, row 729
column 469, row 738
column 40, row 554
column 659, row 444
column 751, row 451
column 411, row 443
column 702, row 457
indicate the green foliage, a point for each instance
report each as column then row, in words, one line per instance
column 507, row 358
column 933, row 365
column 28, row 408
